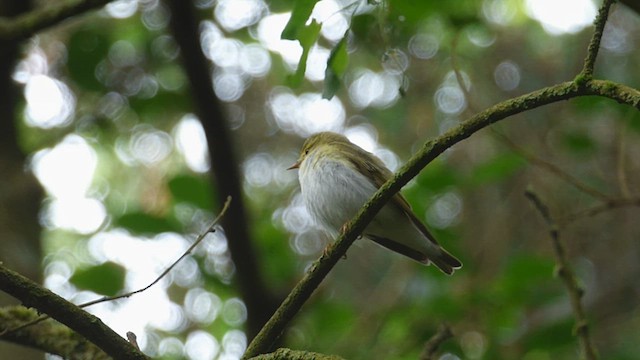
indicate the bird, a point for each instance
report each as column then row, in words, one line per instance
column 337, row 177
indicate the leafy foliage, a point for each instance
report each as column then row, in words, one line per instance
column 105, row 279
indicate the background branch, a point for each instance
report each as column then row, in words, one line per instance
column 598, row 209
column 568, row 278
column 431, row 346
column 24, row 26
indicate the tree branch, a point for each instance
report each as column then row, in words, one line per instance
column 567, row 275
column 92, row 328
column 430, row 150
column 24, row 26
column 288, row 354
column 594, row 45
column 51, row 337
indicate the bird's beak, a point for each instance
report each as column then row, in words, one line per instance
column 296, row 165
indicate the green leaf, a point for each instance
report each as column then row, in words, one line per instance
column 307, row 36
column 143, row 223
column 105, row 279
column 299, row 16
column 193, row 190
column 336, row 66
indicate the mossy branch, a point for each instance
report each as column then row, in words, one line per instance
column 94, row 330
column 50, row 336
column 594, row 44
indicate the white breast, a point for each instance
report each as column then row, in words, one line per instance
column 333, row 191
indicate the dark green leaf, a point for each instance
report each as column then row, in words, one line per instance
column 336, row 66
column 105, row 279
column 307, row 37
column 87, row 48
column 143, row 223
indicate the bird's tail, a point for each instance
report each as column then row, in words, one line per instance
column 444, row 261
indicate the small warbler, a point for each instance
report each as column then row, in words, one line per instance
column 337, row 177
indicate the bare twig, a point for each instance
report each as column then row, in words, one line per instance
column 24, row 26
column 598, row 209
column 199, row 239
column 568, row 277
column 621, row 161
column 594, row 45
column 431, row 346
column 551, row 168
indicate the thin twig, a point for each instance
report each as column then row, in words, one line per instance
column 431, row 346
column 551, row 168
column 568, row 277
column 200, row 237
column 594, row 44
column 621, row 161
column 598, row 209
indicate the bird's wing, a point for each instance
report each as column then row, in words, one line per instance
column 373, row 168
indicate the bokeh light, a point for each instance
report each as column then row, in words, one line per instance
column 507, row 75
column 306, row 114
column 191, row 142
column 50, row 103
column 568, row 16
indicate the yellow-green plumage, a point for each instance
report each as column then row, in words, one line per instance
column 337, row 177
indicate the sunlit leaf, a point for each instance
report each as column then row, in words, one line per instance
column 105, row 279
column 299, row 16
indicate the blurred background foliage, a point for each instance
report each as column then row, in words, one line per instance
column 107, row 124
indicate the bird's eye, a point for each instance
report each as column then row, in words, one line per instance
column 306, row 152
